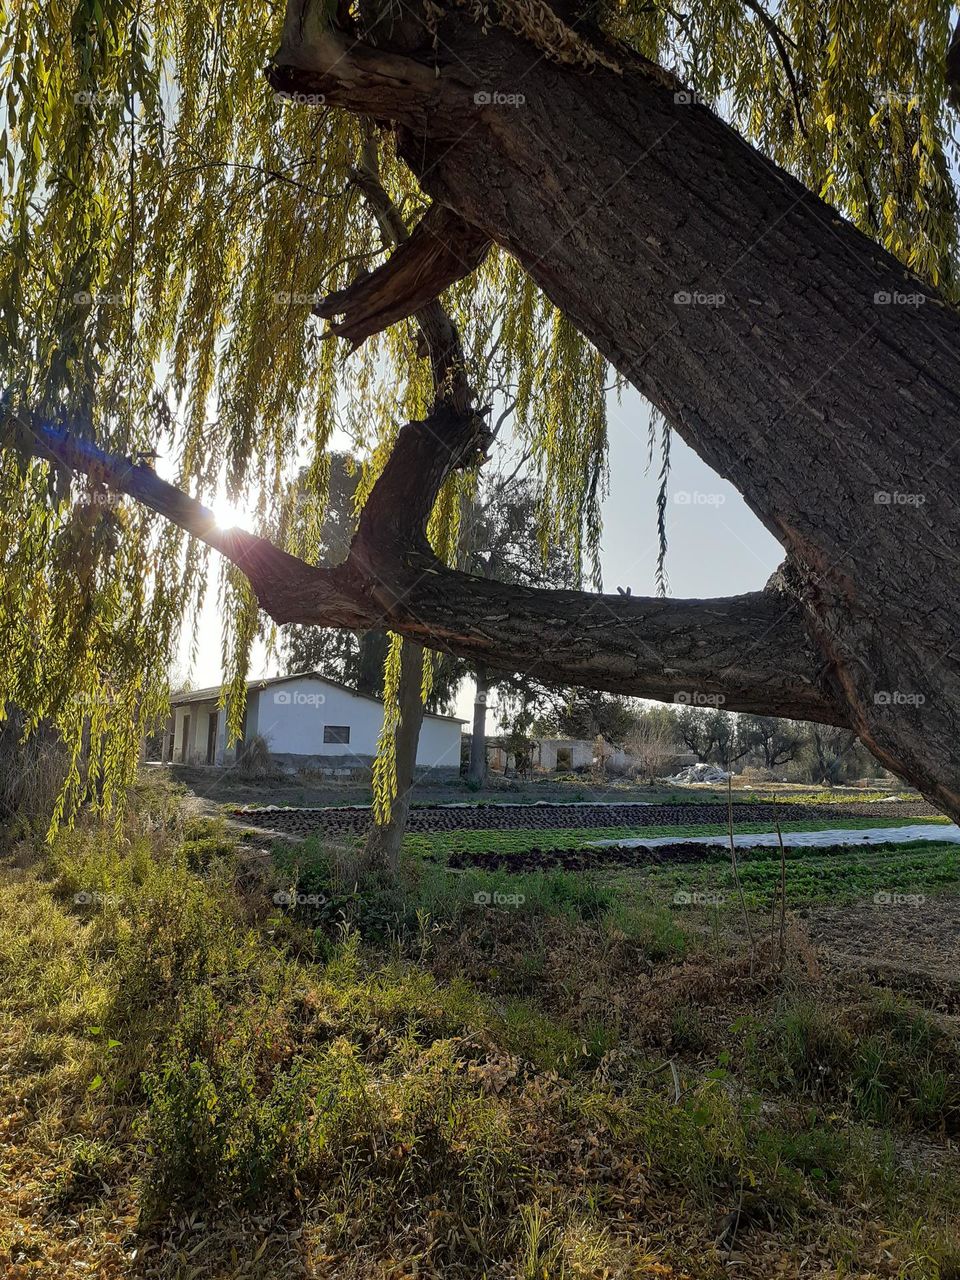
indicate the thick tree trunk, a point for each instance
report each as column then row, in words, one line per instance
column 478, row 743
column 373, row 654
column 799, row 359
column 381, row 853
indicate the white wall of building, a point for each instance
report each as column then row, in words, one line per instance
column 439, row 744
column 578, row 753
column 291, row 717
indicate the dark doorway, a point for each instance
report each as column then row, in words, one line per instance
column 212, row 737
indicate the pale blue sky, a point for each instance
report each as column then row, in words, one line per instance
column 716, row 545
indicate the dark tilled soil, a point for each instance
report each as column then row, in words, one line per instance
column 626, row 856
column 498, row 817
column 913, row 947
column 586, row 859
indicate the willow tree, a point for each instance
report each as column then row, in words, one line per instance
column 747, row 212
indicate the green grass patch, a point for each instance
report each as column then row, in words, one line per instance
column 836, row 797
column 817, row 875
column 887, row 1060
column 431, row 891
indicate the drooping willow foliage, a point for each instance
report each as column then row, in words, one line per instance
column 167, row 223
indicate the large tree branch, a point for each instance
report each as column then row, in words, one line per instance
column 273, row 573
column 748, row 653
column 333, row 67
column 441, row 250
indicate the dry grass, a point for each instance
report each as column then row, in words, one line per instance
column 197, row 1084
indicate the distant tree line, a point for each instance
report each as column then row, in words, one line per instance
column 656, row 735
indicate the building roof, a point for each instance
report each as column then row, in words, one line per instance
column 212, row 694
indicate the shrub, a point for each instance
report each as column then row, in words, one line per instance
column 205, row 839
column 220, row 1125
column 254, row 761
column 888, row 1061
column 31, row 776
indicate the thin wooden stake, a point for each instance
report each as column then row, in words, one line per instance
column 773, row 896
column 736, row 869
column 783, row 881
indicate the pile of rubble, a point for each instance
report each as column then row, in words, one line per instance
column 700, row 773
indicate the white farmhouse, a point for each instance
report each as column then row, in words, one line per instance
column 306, row 720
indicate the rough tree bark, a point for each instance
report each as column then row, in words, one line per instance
column 441, row 343
column 372, row 656
column 800, row 360
column 478, row 742
column 808, row 366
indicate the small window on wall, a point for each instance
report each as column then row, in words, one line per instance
column 336, row 733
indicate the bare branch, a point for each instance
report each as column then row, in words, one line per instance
column 441, row 340
column 777, row 36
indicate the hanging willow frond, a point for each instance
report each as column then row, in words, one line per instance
column 385, row 762
column 663, row 585
column 167, row 224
